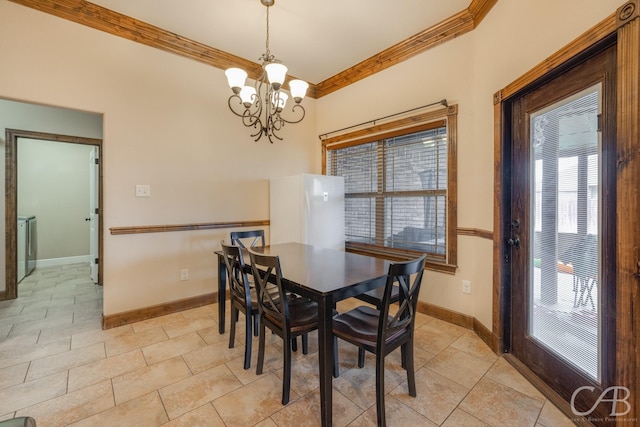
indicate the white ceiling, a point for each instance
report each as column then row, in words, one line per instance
column 316, row 39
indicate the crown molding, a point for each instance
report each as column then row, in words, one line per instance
column 100, row 18
column 458, row 24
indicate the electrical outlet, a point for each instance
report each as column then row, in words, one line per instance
column 184, row 274
column 466, row 286
column 143, row 190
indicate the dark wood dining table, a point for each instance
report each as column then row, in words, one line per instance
column 325, row 276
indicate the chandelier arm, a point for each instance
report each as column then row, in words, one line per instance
column 272, row 134
column 231, row 98
column 251, row 120
column 276, row 124
column 259, row 130
column 245, row 112
column 273, row 127
column 293, row 109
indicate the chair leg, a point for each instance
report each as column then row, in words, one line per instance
column 336, row 365
column 583, row 288
column 403, row 357
column 294, row 344
column 589, row 290
column 380, row 390
column 305, row 344
column 286, row 379
column 411, row 375
column 260, row 363
column 247, row 341
column 255, row 325
column 232, row 331
column 360, row 357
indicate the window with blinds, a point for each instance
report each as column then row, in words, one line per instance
column 397, row 190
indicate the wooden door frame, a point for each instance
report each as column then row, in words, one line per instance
column 624, row 25
column 11, row 199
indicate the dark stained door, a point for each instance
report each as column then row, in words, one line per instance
column 562, row 233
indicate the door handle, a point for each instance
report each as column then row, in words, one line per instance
column 513, row 241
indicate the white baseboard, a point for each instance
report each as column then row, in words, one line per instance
column 62, row 261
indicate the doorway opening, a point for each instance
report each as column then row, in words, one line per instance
column 21, row 138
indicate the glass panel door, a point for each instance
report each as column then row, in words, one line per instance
column 564, row 265
column 562, row 216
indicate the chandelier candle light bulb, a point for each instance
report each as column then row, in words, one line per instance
column 260, row 106
column 236, row 78
column 298, row 89
column 247, row 96
column 276, row 73
column 279, row 100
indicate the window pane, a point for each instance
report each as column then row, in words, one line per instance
column 417, row 161
column 359, row 167
column 416, row 223
column 360, row 220
column 564, row 303
column 568, row 194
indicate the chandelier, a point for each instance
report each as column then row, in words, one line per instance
column 261, row 106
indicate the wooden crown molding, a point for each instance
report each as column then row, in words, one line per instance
column 458, row 24
column 117, row 24
column 100, row 18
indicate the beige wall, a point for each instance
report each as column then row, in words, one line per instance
column 514, row 37
column 166, row 124
column 53, row 185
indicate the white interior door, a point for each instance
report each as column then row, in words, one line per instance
column 94, row 216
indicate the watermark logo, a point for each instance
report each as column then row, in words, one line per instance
column 619, row 396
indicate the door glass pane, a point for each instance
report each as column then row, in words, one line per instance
column 565, row 264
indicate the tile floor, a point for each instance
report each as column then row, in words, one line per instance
column 58, row 366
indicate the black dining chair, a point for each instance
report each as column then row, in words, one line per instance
column 246, row 239
column 253, row 239
column 375, row 298
column 242, row 298
column 379, row 332
column 287, row 315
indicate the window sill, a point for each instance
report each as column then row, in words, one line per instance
column 431, row 264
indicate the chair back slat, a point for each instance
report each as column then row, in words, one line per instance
column 236, row 273
column 408, row 291
column 271, row 296
column 248, row 239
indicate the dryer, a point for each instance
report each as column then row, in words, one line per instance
column 27, row 245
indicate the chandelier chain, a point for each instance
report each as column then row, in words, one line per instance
column 268, row 53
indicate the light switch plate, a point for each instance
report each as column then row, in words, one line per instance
column 143, row 190
column 466, row 286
